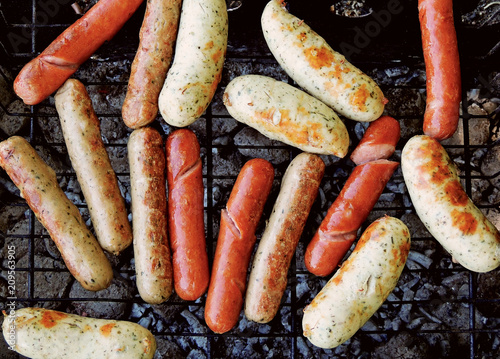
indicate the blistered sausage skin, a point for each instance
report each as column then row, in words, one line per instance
column 360, row 286
column 39, row 187
column 339, row 228
column 152, row 60
column 185, row 214
column 199, row 57
column 48, row 71
column 378, row 142
column 444, row 207
column 49, row 334
column 268, row 276
column 317, row 68
column 153, row 266
column 287, row 114
column 235, row 243
column 442, row 68
column 90, row 160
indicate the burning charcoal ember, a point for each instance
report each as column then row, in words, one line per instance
column 119, row 289
column 13, row 125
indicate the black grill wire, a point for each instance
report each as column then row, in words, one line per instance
column 25, row 17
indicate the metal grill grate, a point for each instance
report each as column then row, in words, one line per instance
column 393, row 57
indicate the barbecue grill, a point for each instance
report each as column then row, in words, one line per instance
column 438, row 309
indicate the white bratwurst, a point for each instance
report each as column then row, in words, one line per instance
column 49, row 334
column 199, row 56
column 317, row 68
column 287, row 114
column 445, row 209
column 360, row 286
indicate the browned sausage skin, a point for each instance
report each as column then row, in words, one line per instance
column 152, row 60
column 185, row 214
column 235, row 243
column 153, row 265
column 268, row 277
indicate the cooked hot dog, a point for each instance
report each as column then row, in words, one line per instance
column 317, row 68
column 199, row 57
column 444, row 207
column 287, row 114
column 442, row 65
column 360, row 286
column 47, row 72
column 185, row 214
column 90, row 160
column 49, row 334
column 379, row 141
column 235, row 243
column 153, row 266
column 151, row 62
column 339, row 228
column 38, row 185
column 268, row 277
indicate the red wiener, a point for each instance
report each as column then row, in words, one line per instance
column 150, row 65
column 346, row 215
column 235, row 243
column 442, row 64
column 46, row 73
column 378, row 142
column 185, row 215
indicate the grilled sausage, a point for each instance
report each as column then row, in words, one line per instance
column 185, row 214
column 268, row 277
column 199, row 57
column 49, row 334
column 287, row 114
column 445, row 209
column 91, row 162
column 153, row 266
column 152, row 60
column 442, row 68
column 38, row 185
column 379, row 141
column 235, row 243
column 360, row 286
column 339, row 228
column 47, row 72
column 317, row 68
